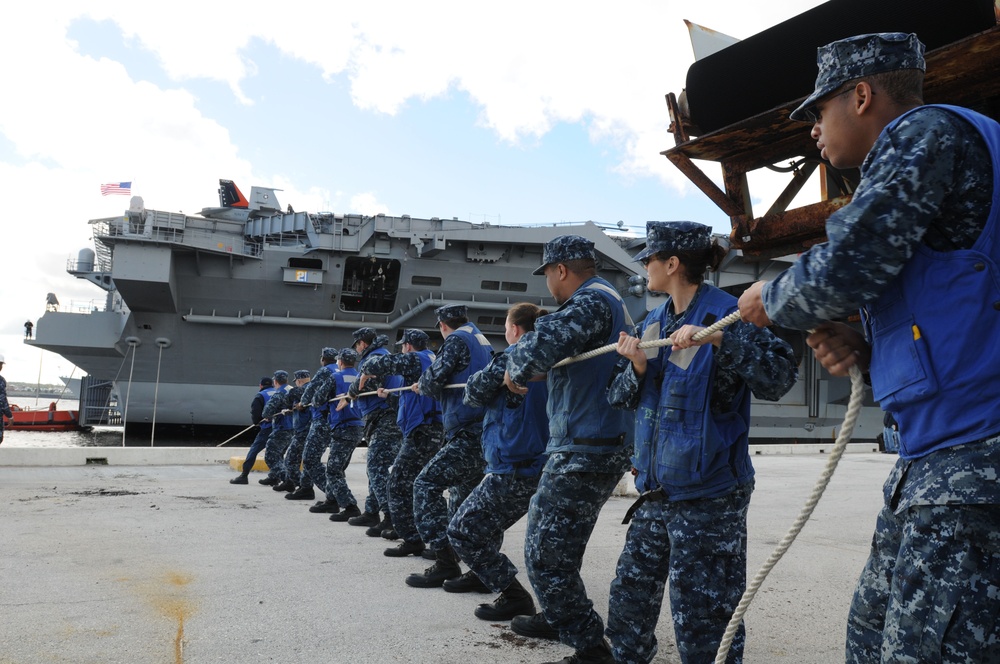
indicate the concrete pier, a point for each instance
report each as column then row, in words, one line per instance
column 132, row 562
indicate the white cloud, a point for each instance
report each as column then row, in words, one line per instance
column 74, row 121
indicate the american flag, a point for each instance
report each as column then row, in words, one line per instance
column 119, row 188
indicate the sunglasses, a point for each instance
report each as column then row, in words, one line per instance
column 810, row 113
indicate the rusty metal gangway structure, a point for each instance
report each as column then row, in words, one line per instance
column 735, row 106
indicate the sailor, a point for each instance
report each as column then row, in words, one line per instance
column 301, row 419
column 266, row 389
column 281, row 429
column 918, row 250
column 693, row 411
column 381, row 432
column 419, row 419
column 589, row 442
column 316, row 396
column 4, row 406
column 345, row 434
column 458, row 467
column 515, row 433
column 28, row 327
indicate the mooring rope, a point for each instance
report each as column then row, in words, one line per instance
column 846, row 431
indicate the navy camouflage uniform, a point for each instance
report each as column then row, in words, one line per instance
column 381, row 433
column 317, row 394
column 502, row 497
column 302, row 419
column 690, row 530
column 4, row 405
column 458, row 465
column 281, row 436
column 345, row 434
column 574, row 485
column 930, row 588
column 417, row 448
column 264, row 431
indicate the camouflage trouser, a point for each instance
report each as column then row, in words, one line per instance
column 701, row 546
column 274, row 452
column 476, row 531
column 457, row 468
column 293, row 456
column 930, row 591
column 384, row 439
column 416, row 450
column 343, row 440
column 317, row 442
column 561, row 518
column 259, row 443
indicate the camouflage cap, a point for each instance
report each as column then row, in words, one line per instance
column 450, row 311
column 266, row 382
column 302, row 373
column 856, row 57
column 565, row 248
column 674, row 237
column 416, row 338
column 330, row 353
column 281, row 376
column 366, row 334
column 348, row 356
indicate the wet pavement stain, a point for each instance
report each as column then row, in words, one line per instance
column 168, row 597
column 104, row 492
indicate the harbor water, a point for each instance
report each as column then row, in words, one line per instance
column 102, row 436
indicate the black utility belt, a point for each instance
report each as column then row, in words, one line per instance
column 652, row 495
column 600, row 442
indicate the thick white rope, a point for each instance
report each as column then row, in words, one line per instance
column 656, row 343
column 850, row 419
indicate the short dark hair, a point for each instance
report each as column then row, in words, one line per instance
column 901, row 86
column 455, row 323
column 581, row 266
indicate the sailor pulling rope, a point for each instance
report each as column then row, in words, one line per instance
column 844, row 436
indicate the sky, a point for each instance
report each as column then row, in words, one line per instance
column 511, row 113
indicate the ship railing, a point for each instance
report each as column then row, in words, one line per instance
column 83, row 307
column 164, row 228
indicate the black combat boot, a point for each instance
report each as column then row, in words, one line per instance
column 366, row 519
column 328, row 506
column 429, row 554
column 284, row 486
column 268, row 481
column 446, row 567
column 536, row 627
column 302, row 493
column 239, row 479
column 391, row 534
column 346, row 513
column 599, row 654
column 513, row 601
column 384, row 524
column 470, row 583
column 405, row 548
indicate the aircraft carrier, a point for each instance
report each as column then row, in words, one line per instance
column 199, row 307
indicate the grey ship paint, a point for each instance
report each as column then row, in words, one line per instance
column 199, row 307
